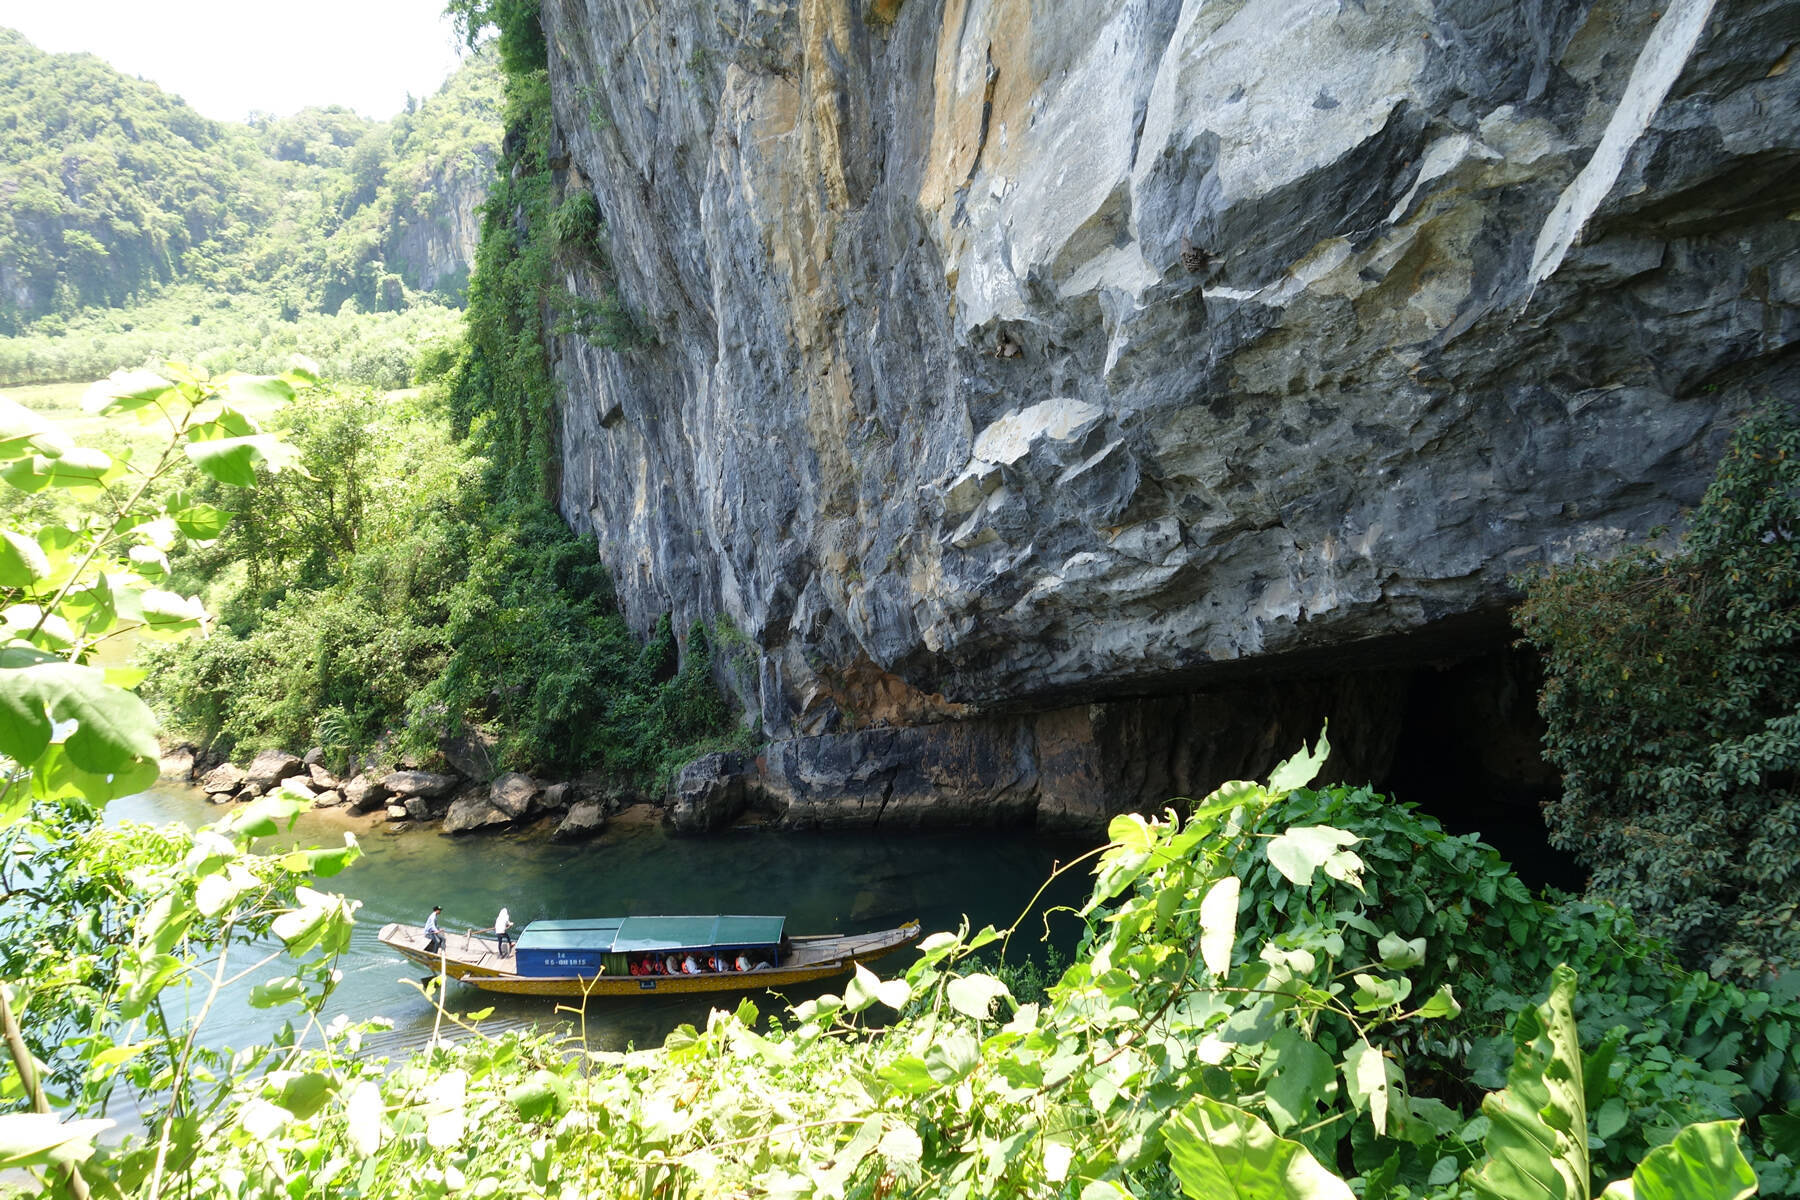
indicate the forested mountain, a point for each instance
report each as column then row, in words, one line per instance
column 110, row 188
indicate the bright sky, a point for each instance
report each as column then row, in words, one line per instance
column 227, row 57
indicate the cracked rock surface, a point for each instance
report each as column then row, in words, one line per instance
column 1011, row 355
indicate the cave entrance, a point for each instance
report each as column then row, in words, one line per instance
column 1468, row 751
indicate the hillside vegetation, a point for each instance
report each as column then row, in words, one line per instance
column 118, row 194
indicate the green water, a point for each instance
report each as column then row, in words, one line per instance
column 822, row 883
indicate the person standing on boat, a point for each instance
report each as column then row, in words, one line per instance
column 503, row 941
column 434, row 937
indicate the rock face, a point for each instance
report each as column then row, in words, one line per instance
column 473, row 810
column 418, row 783
column 516, row 795
column 222, row 780
column 710, row 793
column 269, row 768
column 364, row 794
column 1012, row 357
column 583, row 822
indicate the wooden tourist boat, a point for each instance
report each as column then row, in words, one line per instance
column 599, row 956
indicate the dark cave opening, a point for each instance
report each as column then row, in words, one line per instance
column 1468, row 752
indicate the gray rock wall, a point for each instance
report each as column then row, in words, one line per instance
column 1020, row 354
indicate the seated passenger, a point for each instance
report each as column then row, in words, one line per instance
column 743, row 961
column 672, row 965
column 689, row 966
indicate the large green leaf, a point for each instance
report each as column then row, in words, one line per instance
column 1303, row 768
column 232, row 460
column 250, row 390
column 1218, row 924
column 1704, row 1162
column 1300, row 851
column 1301, row 1076
column 202, row 522
column 78, row 467
column 23, row 432
column 124, row 391
column 1219, row 1152
column 974, row 995
column 114, row 730
column 1537, row 1141
column 22, row 560
column 41, row 1139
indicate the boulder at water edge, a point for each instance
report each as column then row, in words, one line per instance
column 364, row 794
column 223, row 780
column 583, row 822
column 473, row 810
column 516, row 795
column 428, row 784
column 270, row 767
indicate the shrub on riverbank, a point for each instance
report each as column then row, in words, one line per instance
column 1672, row 703
column 385, row 593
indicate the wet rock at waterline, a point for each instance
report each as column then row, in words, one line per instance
column 710, row 792
column 177, row 763
column 585, row 820
column 329, row 798
column 223, row 780
column 473, row 810
column 270, row 767
column 516, row 795
column 364, row 794
column 419, row 783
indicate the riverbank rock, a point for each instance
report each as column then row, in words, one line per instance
column 321, row 778
column 428, row 784
column 270, row 767
column 516, row 795
column 224, row 779
column 419, row 808
column 584, row 821
column 330, row 798
column 470, row 753
column 473, row 810
column 177, row 763
column 711, row 792
column 364, row 794
column 397, row 812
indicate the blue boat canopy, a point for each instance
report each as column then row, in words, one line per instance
column 581, row 946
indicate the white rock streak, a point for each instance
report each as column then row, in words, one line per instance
column 1658, row 65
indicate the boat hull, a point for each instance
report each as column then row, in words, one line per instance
column 477, row 961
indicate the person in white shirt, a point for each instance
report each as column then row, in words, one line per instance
column 434, row 937
column 503, row 941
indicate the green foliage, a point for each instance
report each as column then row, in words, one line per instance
column 100, row 925
column 1141, row 1072
column 242, row 333
column 1667, row 1046
column 382, row 594
column 119, row 191
column 1673, row 710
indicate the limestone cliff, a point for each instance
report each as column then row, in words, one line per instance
column 1027, row 356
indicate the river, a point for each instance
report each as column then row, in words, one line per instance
column 822, row 883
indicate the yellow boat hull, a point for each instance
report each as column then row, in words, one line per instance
column 476, row 960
